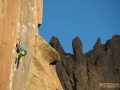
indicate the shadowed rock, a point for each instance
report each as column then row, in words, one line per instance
column 80, row 71
column 77, row 48
column 57, row 46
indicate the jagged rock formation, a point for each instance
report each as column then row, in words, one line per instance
column 20, row 19
column 80, row 71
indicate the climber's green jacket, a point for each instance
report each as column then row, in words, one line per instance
column 20, row 55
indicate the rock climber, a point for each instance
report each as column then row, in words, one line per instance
column 21, row 52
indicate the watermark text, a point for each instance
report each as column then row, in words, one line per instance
column 109, row 85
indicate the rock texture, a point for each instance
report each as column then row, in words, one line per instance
column 80, row 71
column 8, row 25
column 42, row 74
column 21, row 19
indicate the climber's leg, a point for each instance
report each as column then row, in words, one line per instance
column 21, row 58
column 17, row 57
column 19, row 61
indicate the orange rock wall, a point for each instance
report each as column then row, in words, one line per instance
column 18, row 19
column 8, row 24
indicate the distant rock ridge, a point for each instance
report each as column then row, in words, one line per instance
column 80, row 71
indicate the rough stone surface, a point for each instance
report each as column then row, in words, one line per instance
column 80, row 71
column 42, row 74
column 8, row 25
column 20, row 19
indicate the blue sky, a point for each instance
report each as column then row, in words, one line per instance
column 87, row 19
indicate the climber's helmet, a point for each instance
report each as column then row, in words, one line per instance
column 22, row 48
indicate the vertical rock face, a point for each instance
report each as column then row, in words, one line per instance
column 27, row 27
column 20, row 19
column 80, row 71
column 8, row 26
